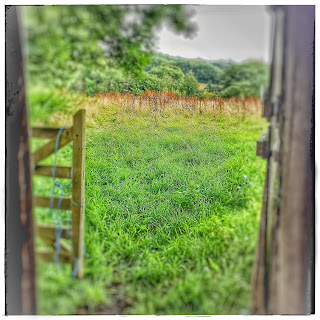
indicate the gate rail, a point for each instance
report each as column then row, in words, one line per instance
column 76, row 134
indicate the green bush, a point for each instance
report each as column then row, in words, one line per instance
column 239, row 89
column 244, row 80
column 45, row 101
column 189, row 85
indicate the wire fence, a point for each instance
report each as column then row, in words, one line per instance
column 161, row 102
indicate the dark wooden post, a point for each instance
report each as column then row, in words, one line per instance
column 283, row 274
column 20, row 283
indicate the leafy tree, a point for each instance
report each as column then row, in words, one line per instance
column 209, row 87
column 222, row 64
column 63, row 38
column 167, row 71
column 168, row 77
column 233, row 91
column 216, row 88
column 93, row 80
column 184, row 65
column 244, row 79
column 159, row 60
column 200, row 94
column 189, row 85
column 205, row 72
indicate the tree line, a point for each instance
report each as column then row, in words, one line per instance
column 96, row 49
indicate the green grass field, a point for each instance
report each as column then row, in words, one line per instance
column 172, row 212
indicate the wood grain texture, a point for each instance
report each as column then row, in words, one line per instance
column 20, row 294
column 48, row 231
column 46, row 171
column 49, row 148
column 296, row 182
column 286, row 239
column 44, row 202
column 258, row 292
column 47, row 255
column 45, row 133
column 78, row 184
column 48, row 236
column 263, row 145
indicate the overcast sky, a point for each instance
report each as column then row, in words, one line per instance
column 225, row 32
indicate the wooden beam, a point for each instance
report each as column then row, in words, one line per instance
column 19, row 269
column 79, row 146
column 50, row 240
column 49, row 148
column 44, row 202
column 283, row 278
column 263, row 145
column 65, row 248
column 61, row 172
column 45, row 133
column 47, row 255
column 48, row 231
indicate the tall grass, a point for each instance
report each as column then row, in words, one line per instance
column 163, row 102
column 62, row 104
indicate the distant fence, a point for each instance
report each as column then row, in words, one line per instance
column 161, row 102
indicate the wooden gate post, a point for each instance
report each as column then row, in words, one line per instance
column 78, row 183
column 19, row 249
column 283, row 274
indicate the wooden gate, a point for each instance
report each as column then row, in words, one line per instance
column 284, row 266
column 47, row 233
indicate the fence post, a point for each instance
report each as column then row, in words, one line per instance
column 78, row 183
column 19, row 235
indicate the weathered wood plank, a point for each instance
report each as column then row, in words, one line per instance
column 20, row 266
column 267, row 149
column 47, row 255
column 51, row 241
column 49, row 148
column 61, row 172
column 257, row 302
column 45, row 133
column 48, row 231
column 282, row 279
column 297, row 184
column 44, row 202
column 79, row 145
column 65, row 248
column 263, row 145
